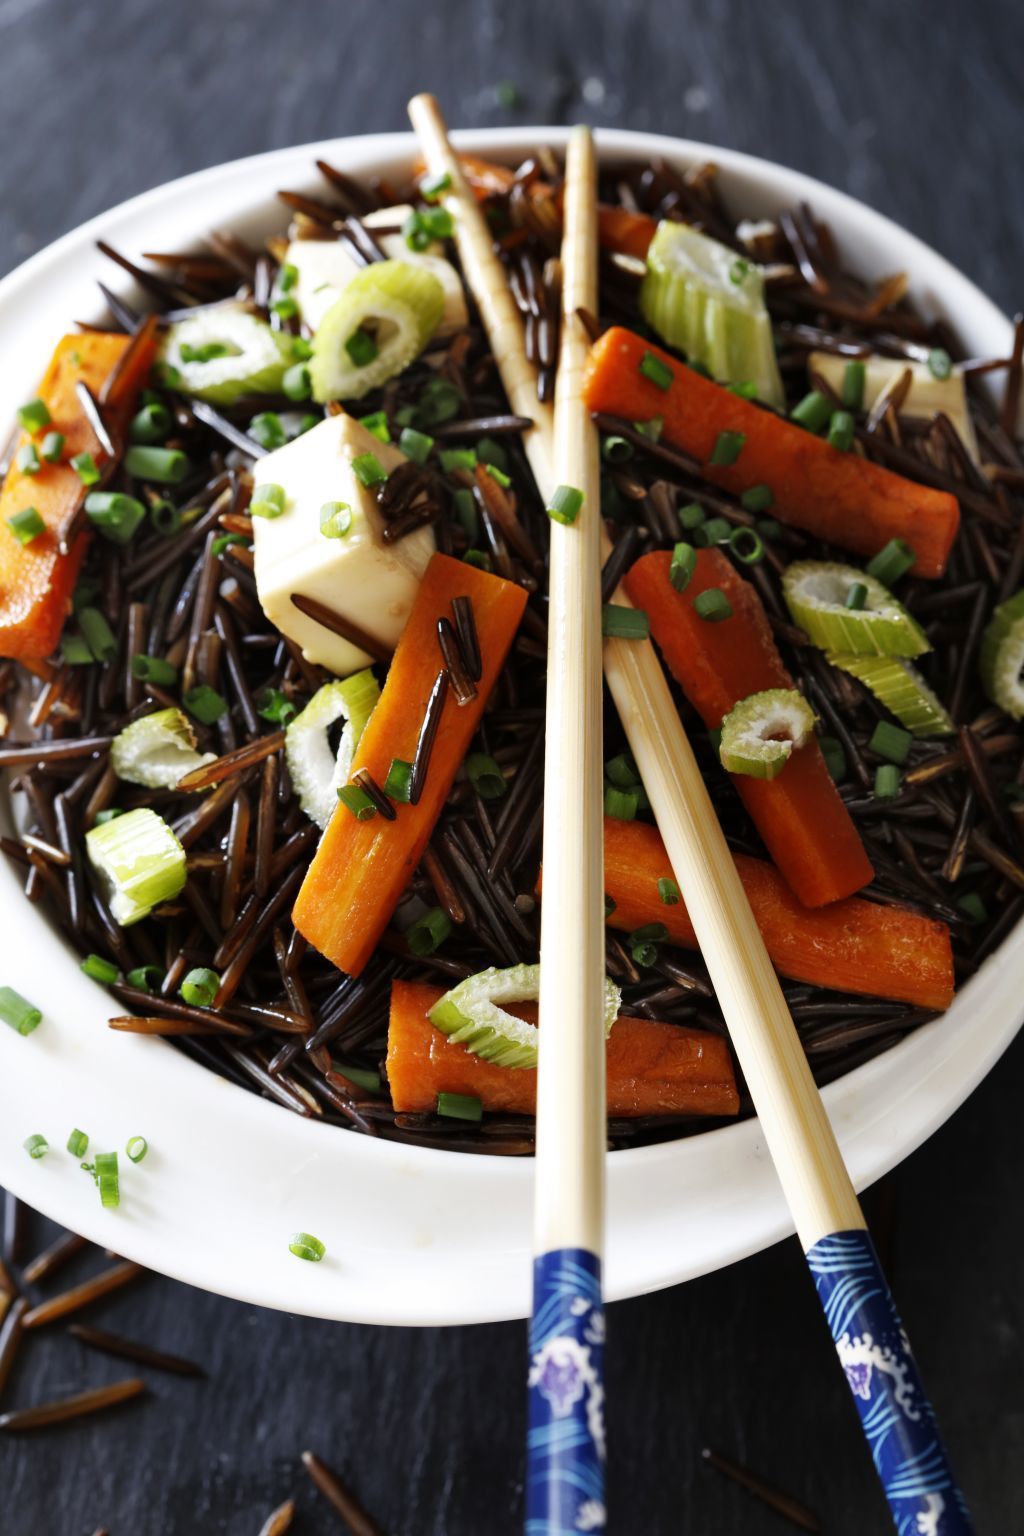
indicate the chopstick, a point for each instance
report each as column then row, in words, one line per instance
column 895, row 1412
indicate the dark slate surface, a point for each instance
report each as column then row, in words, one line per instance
column 915, row 107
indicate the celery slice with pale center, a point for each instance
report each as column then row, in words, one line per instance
column 816, row 592
column 391, row 309
column 900, row 687
column 471, row 1014
column 252, row 362
column 317, row 773
column 157, row 750
column 1002, row 656
column 139, row 863
column 760, row 732
column 703, row 298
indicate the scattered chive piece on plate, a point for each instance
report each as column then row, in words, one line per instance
column 36, row 1146
column 840, row 431
column 398, row 782
column 147, row 978
column 99, row 969
column 852, row 392
column 137, row 1148
column 52, row 447
column 272, row 704
column 656, row 370
column 712, row 605
column 621, row 771
column 618, row 622
column 891, row 562
column 565, row 504
column 361, row 348
column 428, row 932
column 746, row 544
column 267, row 501
column 835, row 757
column 116, row 516
column 34, row 415
column 357, row 801
column 459, row 1106
column 668, row 892
column 727, row 449
column 682, row 566
column 267, row 430
column 652, row 428
column 940, row 364
column 335, row 519
column 813, row 411
column 154, row 669
column 757, row 498
column 623, row 804
column 973, row 908
column 616, row 450
column 205, row 703
column 887, row 781
column 27, row 459
column 415, row 445
column 86, row 468
column 891, row 741
column 377, row 424
column 98, row 634
column 453, row 459
column 363, row 1077
column 164, row 466
column 305, row 1246
column 856, row 597
column 691, row 516
column 369, row 470
column 486, row 776
column 26, row 525
column 78, row 1143
column 150, row 425
column 431, row 187
column 200, row 987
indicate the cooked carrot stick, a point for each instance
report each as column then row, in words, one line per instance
column 361, row 868
column 620, row 230
column 837, row 496
column 851, row 946
column 36, row 580
column 652, row 1068
column 805, row 826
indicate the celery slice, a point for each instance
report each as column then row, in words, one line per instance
column 760, row 732
column 253, row 361
column 901, row 688
column 1002, row 656
column 317, row 773
column 816, row 593
column 157, row 750
column 139, row 862
column 471, row 1014
column 397, row 306
column 703, row 298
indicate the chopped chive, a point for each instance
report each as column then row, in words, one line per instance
column 973, row 908
column 712, row 605
column 52, row 447
column 488, row 451
column 887, row 781
column 486, row 776
column 438, row 223
column 428, row 932
column 417, row 236
column 267, row 430
column 200, row 987
column 644, row 954
column 892, row 562
column 616, row 450
column 453, row 459
column 151, row 424
column 78, row 1143
column 154, row 669
column 361, row 348
column 727, row 449
column 691, row 516
column 623, row 804
column 651, row 428
column 739, row 270
column 272, row 704
column 27, row 459
column 565, row 505
column 86, row 468
column 105, row 1172
column 369, row 470
column 479, row 558
column 34, row 416
column 459, row 1106
column 431, row 187
column 147, row 978
column 205, row 703
column 267, row 501
column 657, row 370
column 891, row 741
column 165, row 518
column 465, row 510
column 649, row 933
column 747, row 390
column 99, row 969
column 137, row 1148
column 835, row 757
column 438, row 401
column 717, row 530
column 746, row 545
column 36, row 1146
column 668, row 892
column 115, row 515
column 840, row 431
column 335, row 519
column 623, row 623
column 757, row 498
column 207, row 353
column 415, row 445
column 225, row 541
column 305, row 1246
column 769, row 527
column 98, row 634
column 499, row 475
column 940, row 364
column 813, row 411
column 287, row 277
column 856, row 596
column 18, row 1012
column 852, row 393
column 377, row 423
column 398, row 783
column 285, row 308
column 622, row 771
column 74, row 650
column 363, row 1077
column 357, row 801
column 297, row 383
column 26, row 525
column 102, row 817
column 609, row 906
column 682, row 566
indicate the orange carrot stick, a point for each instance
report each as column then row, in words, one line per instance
column 652, row 1068
column 361, row 868
column 837, row 496
column 620, row 230
column 851, row 946
column 36, row 580
column 805, row 826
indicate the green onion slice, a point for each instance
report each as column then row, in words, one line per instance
column 115, row 516
column 621, row 623
column 318, row 774
column 428, row 932
column 36, row 1146
column 891, row 742
column 760, row 732
column 157, row 750
column 267, row 501
column 99, row 969
column 459, row 1106
column 472, row 1014
column 712, row 605
column 200, row 987
column 137, row 1148
column 305, row 1246
column 623, row 804
column 1002, row 656
column 18, row 1012
column 34, row 416
column 565, row 505
column 892, row 562
column 682, row 566
column 78, row 1143
column 163, row 466
column 668, row 892
column 817, row 594
column 204, row 703
column 486, row 776
column 139, row 863
column 26, row 525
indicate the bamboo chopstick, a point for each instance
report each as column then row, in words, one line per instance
column 895, row 1412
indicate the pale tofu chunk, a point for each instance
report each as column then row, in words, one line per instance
column 926, row 396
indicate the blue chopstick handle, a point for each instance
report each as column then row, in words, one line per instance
column 565, row 1440
column 895, row 1412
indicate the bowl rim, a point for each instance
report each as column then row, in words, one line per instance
column 945, row 1059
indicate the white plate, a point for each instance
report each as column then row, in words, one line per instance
column 413, row 1235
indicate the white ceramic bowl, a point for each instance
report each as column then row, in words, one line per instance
column 413, row 1236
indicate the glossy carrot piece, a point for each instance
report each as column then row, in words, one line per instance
column 652, row 1068
column 804, row 824
column 837, row 496
column 36, row 580
column 628, row 233
column 851, row 946
column 361, row 868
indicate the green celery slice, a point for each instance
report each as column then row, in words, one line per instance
column 1002, row 656
column 316, row 772
column 760, row 732
column 898, row 685
column 403, row 303
column 157, row 750
column 471, row 1014
column 139, row 862
column 816, row 592
column 253, row 364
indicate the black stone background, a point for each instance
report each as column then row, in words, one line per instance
column 915, row 106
